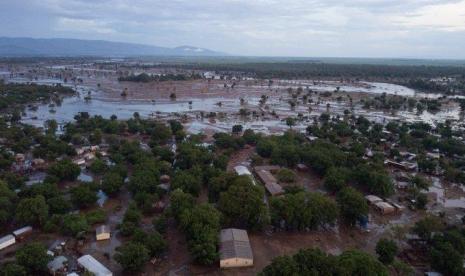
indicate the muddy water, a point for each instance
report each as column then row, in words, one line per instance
column 450, row 195
column 106, row 104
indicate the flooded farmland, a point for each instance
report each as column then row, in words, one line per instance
column 196, row 100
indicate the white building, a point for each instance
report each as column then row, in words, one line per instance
column 242, row 170
column 7, row 241
column 92, row 265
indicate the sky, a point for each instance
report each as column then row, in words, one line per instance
column 305, row 28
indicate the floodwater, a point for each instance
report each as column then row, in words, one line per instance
column 228, row 102
column 449, row 196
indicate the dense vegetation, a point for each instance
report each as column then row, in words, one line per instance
column 316, row 262
column 13, row 94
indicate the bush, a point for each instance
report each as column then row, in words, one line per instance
column 97, row 216
column 286, row 176
column 386, row 250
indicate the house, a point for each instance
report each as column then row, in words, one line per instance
column 89, row 156
column 242, row 170
column 159, row 206
column 22, row 233
column 269, row 181
column 407, row 166
column 58, row 266
column 7, row 241
column 19, row 157
column 408, row 155
column 102, row 233
column 165, row 178
column 235, row 249
column 271, row 168
column 302, row 167
column 90, row 264
column 372, row 199
column 38, row 162
column 402, row 185
column 165, row 187
column 384, row 208
column 79, row 162
column 399, row 208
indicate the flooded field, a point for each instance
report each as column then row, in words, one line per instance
column 267, row 106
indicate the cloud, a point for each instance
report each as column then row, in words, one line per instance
column 390, row 28
column 446, row 17
column 83, row 25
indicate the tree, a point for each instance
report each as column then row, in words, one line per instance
column 352, row 205
column 73, row 224
column 426, row 226
column 336, row 178
column 242, row 204
column 32, row 210
column 421, row 201
column 236, row 129
column 446, row 259
column 180, row 201
column 132, row 256
column 161, row 133
column 58, row 205
column 51, row 126
column 112, row 183
column 386, row 250
column 355, row 262
column 7, row 200
column 281, row 265
column 286, row 176
column 13, row 269
column 96, row 136
column 187, row 181
column 290, row 122
column 201, row 225
column 303, row 210
column 153, row 241
column 131, row 220
column 64, row 170
column 33, row 257
column 83, row 196
column 98, row 166
column 315, row 262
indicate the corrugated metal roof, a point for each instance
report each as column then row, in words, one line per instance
column 234, row 243
column 102, row 229
column 94, row 266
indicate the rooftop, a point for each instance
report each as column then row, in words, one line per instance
column 234, row 243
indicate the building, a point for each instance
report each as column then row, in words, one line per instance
column 268, row 179
column 58, row 266
column 270, row 182
column 404, row 165
column 384, row 208
column 22, row 233
column 302, row 167
column 235, row 249
column 7, row 241
column 90, row 264
column 102, row 233
column 79, row 162
column 372, row 199
column 242, row 170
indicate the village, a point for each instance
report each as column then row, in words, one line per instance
column 225, row 187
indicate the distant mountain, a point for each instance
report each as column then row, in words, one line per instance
column 62, row 47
